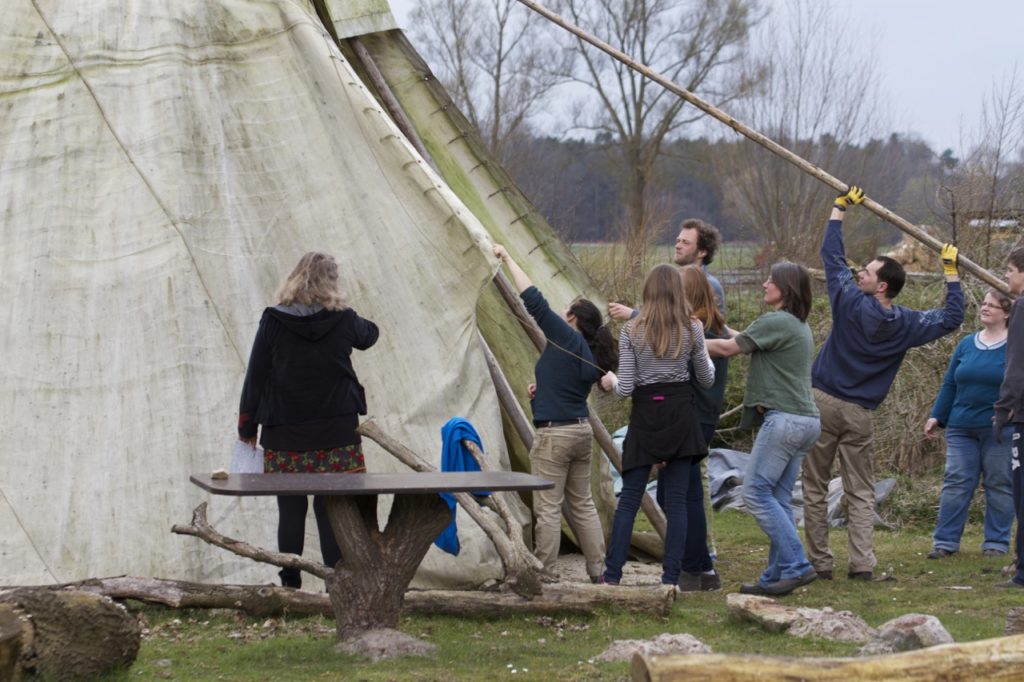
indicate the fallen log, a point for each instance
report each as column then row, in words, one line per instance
column 265, row 601
column 68, row 635
column 1001, row 658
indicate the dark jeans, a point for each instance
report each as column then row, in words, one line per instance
column 1018, row 498
column 291, row 533
column 696, row 555
column 676, row 481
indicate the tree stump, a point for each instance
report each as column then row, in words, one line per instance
column 72, row 635
column 368, row 584
column 10, row 641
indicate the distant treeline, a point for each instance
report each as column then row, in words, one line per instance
column 576, row 184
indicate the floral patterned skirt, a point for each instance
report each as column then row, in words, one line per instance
column 345, row 459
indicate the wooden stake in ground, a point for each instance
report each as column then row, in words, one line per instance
column 766, row 142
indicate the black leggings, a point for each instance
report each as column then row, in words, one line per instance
column 291, row 533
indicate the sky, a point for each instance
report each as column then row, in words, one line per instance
column 937, row 59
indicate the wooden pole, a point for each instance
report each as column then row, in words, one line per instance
column 766, row 142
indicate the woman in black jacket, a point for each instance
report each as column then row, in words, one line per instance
column 301, row 388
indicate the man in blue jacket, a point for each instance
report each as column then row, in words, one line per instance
column 851, row 377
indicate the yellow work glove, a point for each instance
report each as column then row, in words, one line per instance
column 949, row 258
column 854, row 196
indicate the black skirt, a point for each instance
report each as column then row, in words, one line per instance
column 663, row 425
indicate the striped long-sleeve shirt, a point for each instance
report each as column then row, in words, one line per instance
column 638, row 365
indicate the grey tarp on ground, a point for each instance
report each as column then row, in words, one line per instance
column 163, row 166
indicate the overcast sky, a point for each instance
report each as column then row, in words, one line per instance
column 938, row 59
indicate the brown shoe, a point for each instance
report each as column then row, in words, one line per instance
column 824, row 575
column 859, row 575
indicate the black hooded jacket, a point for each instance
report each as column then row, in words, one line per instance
column 300, row 369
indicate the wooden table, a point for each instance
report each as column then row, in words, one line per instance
column 367, row 586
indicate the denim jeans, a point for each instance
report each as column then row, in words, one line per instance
column 774, row 465
column 676, row 480
column 971, row 454
column 696, row 554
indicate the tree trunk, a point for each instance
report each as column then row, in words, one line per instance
column 71, row 634
column 367, row 585
column 264, row 601
column 989, row 659
column 10, row 641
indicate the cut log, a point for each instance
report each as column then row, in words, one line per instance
column 989, row 659
column 10, row 641
column 267, row 600
column 71, row 634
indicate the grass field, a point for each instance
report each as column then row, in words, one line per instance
column 197, row 645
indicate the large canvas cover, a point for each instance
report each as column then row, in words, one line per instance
column 163, row 166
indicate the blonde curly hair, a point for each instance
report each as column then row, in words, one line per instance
column 313, row 281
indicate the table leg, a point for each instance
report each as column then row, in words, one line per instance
column 376, row 567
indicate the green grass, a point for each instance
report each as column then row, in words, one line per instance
column 222, row 645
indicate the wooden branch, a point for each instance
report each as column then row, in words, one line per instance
column 269, row 600
column 521, row 566
column 201, row 529
column 766, row 142
column 507, row 398
column 512, row 526
column 1001, row 658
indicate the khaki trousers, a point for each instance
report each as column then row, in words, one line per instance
column 847, row 431
column 562, row 454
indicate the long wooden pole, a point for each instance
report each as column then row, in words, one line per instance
column 766, row 142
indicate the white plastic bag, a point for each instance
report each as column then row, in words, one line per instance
column 246, row 459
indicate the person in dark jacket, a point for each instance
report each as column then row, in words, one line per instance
column 301, row 388
column 579, row 351
column 851, row 377
column 1009, row 409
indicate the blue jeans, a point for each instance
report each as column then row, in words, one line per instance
column 676, row 480
column 774, row 465
column 971, row 453
column 696, row 555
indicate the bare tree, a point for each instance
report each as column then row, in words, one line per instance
column 696, row 43
column 497, row 61
column 987, row 188
column 818, row 99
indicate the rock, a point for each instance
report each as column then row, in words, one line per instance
column 764, row 611
column 1015, row 621
column 662, row 645
column 836, row 626
column 383, row 643
column 908, row 632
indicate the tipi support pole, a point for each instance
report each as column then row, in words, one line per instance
column 766, row 142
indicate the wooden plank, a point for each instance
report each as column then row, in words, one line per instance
column 369, row 484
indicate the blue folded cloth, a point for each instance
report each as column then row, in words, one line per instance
column 456, row 457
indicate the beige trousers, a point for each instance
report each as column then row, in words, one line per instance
column 562, row 454
column 847, row 431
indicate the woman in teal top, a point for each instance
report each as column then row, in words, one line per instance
column 964, row 408
column 778, row 397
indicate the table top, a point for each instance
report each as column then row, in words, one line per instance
column 370, row 484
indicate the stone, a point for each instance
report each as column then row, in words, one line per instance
column 836, row 626
column 384, row 643
column 764, row 611
column 665, row 644
column 907, row 632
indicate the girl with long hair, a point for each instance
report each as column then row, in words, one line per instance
column 579, row 351
column 661, row 352
column 301, row 388
column 778, row 399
